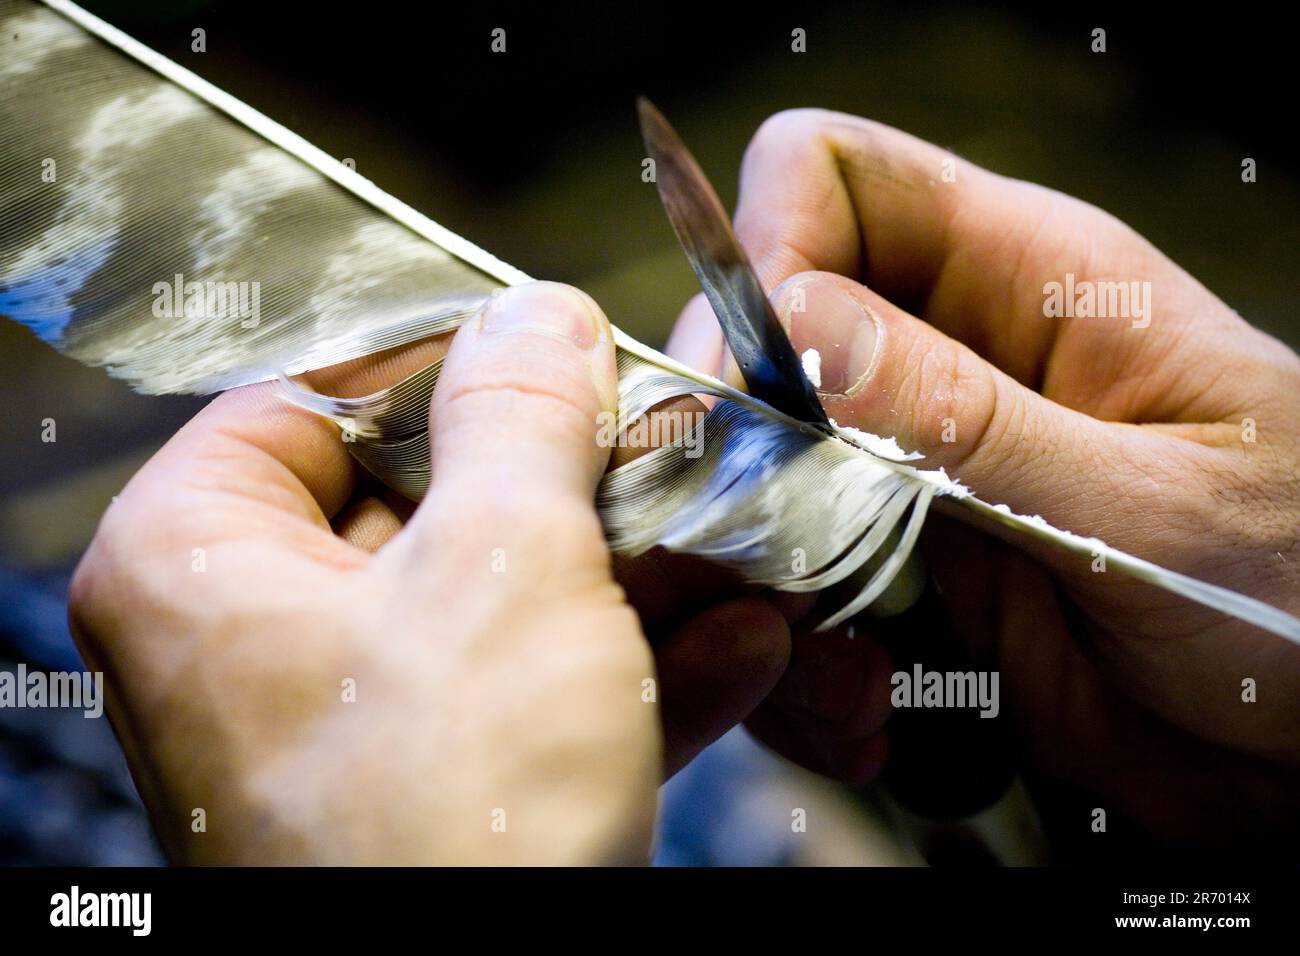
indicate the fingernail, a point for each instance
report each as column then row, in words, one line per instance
column 820, row 315
column 545, row 308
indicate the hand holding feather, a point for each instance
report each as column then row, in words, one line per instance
column 1119, row 687
column 245, row 198
column 467, row 687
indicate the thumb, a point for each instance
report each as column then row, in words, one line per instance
column 885, row 371
column 514, row 417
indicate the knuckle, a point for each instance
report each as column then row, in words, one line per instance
column 492, row 404
column 1252, row 509
column 792, row 127
column 86, row 583
column 97, row 574
column 798, row 120
column 992, row 414
column 534, row 379
column 996, row 429
column 959, row 414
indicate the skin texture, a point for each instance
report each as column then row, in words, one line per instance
column 925, row 299
column 519, row 687
column 496, row 664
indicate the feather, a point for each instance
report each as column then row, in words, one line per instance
column 170, row 199
column 759, row 345
column 164, row 179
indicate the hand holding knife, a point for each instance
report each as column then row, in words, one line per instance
column 948, row 768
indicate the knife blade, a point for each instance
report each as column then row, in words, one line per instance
column 767, row 360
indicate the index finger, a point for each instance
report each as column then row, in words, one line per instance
column 248, row 454
column 964, row 248
column 252, row 453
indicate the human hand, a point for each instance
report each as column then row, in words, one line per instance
column 330, row 683
column 926, row 301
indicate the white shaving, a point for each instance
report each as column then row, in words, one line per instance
column 812, row 366
column 945, row 485
column 1036, row 519
column 878, row 446
column 889, row 449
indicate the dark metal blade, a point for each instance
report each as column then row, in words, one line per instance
column 762, row 349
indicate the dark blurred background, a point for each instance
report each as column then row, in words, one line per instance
column 534, row 154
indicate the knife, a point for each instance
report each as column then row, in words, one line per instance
column 772, row 371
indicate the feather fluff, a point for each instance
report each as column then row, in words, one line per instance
column 159, row 175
